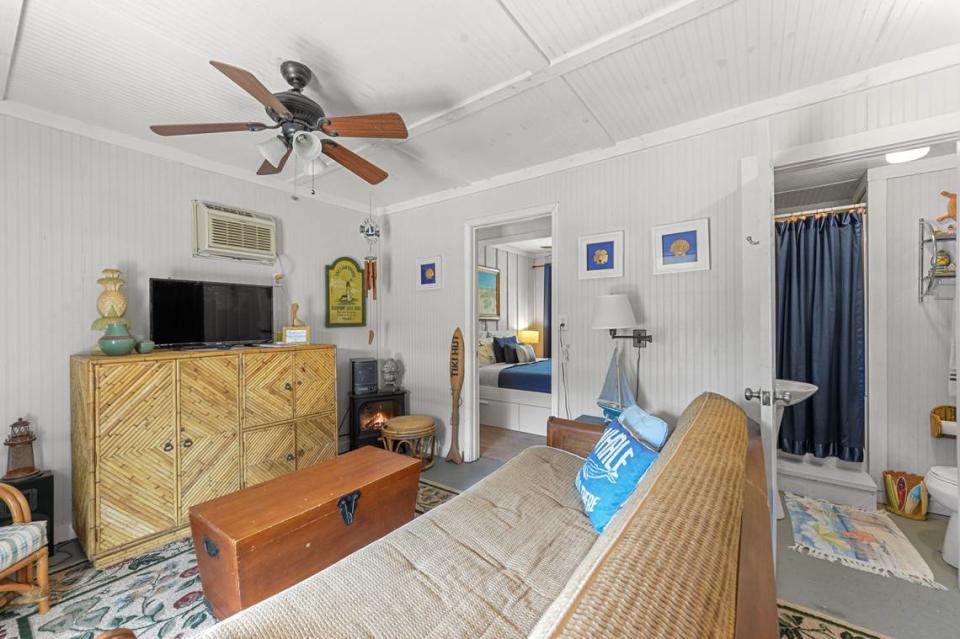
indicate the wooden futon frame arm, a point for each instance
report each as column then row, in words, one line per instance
column 756, row 587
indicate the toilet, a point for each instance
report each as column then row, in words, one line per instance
column 942, row 485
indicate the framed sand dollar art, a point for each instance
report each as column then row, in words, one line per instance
column 601, row 255
column 681, row 247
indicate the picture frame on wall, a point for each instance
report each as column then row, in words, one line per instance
column 429, row 273
column 488, row 293
column 681, row 247
column 346, row 303
column 600, row 255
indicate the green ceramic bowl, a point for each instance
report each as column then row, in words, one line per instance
column 117, row 345
column 145, row 346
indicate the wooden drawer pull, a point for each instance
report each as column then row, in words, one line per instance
column 290, row 457
column 168, row 447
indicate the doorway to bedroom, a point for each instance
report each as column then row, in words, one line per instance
column 513, row 320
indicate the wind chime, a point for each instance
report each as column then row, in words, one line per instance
column 370, row 231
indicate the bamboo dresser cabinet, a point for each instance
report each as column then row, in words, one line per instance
column 153, row 435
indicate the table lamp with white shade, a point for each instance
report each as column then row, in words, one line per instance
column 528, row 336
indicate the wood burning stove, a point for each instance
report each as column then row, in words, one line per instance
column 370, row 411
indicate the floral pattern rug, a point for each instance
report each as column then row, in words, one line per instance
column 157, row 595
column 797, row 622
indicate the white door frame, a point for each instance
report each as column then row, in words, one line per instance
column 758, row 340
column 470, row 430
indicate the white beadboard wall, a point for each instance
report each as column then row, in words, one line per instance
column 918, row 335
column 916, row 98
column 72, row 206
column 516, row 289
column 694, row 317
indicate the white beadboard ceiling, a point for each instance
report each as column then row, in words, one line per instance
column 486, row 87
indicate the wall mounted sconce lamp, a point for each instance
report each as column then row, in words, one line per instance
column 613, row 313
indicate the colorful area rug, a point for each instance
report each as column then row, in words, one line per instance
column 867, row 541
column 157, row 595
column 797, row 622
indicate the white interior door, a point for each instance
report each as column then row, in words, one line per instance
column 759, row 300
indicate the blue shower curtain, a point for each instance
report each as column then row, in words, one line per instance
column 820, row 333
column 547, row 310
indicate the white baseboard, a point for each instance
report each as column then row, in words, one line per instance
column 825, row 480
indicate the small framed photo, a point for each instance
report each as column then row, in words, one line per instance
column 601, row 255
column 488, row 293
column 681, row 247
column 296, row 334
column 429, row 273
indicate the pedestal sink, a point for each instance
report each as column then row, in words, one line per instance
column 788, row 392
column 798, row 391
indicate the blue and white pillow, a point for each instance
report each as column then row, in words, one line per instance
column 611, row 473
column 648, row 428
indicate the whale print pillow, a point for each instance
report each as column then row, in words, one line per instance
column 611, row 473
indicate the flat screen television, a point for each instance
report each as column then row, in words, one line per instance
column 193, row 313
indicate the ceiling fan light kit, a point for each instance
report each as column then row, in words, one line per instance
column 299, row 118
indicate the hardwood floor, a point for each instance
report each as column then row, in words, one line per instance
column 503, row 445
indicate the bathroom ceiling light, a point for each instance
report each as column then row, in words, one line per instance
column 909, row 155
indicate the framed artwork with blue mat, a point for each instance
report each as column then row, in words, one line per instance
column 681, row 247
column 428, row 273
column 601, row 255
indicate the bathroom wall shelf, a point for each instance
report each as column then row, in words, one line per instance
column 933, row 281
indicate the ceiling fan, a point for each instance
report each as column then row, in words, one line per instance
column 299, row 119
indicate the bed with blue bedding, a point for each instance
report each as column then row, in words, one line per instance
column 532, row 376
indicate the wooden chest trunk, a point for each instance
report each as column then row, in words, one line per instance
column 256, row 542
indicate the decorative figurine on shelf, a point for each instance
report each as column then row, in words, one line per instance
column 951, row 206
column 391, row 374
column 297, row 332
column 20, row 451
column 112, row 305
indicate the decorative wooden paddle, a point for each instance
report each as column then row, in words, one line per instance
column 456, row 384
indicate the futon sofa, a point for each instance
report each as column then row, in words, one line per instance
column 514, row 556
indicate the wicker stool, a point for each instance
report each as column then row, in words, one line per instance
column 416, row 433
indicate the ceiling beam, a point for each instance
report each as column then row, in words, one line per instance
column 10, row 12
column 658, row 22
column 902, row 69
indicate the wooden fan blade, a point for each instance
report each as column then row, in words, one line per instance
column 353, row 162
column 268, row 169
column 378, row 125
column 212, row 127
column 249, row 83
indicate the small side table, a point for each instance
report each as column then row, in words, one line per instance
column 39, row 493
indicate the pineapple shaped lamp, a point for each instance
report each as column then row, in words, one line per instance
column 112, row 305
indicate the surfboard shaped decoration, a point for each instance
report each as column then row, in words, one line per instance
column 456, row 385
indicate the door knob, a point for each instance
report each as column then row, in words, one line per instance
column 783, row 397
column 187, row 443
column 168, row 447
column 764, row 396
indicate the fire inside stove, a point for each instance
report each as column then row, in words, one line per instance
column 374, row 416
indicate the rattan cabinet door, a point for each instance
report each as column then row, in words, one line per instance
column 209, row 430
column 315, row 372
column 267, row 387
column 316, row 439
column 137, row 454
column 268, row 453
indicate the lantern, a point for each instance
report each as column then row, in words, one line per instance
column 20, row 451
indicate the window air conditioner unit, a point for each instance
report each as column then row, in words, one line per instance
column 226, row 231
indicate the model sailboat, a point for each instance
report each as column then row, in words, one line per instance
column 616, row 394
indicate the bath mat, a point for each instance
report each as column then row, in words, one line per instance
column 797, row 622
column 158, row 595
column 867, row 541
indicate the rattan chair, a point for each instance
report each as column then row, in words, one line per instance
column 23, row 550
